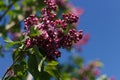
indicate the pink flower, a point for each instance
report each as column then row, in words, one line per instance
column 111, row 78
column 96, row 72
column 82, row 42
column 74, row 10
column 11, row 73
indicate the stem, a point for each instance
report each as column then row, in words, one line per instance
column 41, row 64
column 10, row 67
column 7, row 10
column 14, row 62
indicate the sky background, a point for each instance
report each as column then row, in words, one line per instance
column 101, row 19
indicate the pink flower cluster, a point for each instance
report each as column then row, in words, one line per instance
column 90, row 70
column 55, row 33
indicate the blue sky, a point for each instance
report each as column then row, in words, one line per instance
column 100, row 19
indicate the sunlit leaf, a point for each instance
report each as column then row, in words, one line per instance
column 52, row 69
column 11, row 43
column 52, row 63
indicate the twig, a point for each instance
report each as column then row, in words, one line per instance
column 10, row 67
column 14, row 62
column 7, row 9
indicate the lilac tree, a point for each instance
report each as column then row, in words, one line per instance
column 48, row 26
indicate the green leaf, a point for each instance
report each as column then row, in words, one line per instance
column 8, row 40
column 3, row 32
column 1, row 52
column 37, row 52
column 39, row 57
column 53, row 72
column 34, row 31
column 19, row 54
column 52, row 69
column 52, row 63
column 33, row 69
column 2, row 5
column 32, row 63
column 20, row 69
column 11, row 43
column 66, row 76
column 78, row 60
column 15, row 54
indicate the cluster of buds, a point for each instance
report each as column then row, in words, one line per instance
column 30, row 21
column 51, row 4
column 70, row 18
column 55, row 33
